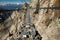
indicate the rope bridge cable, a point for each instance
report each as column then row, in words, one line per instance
column 56, row 8
column 53, row 7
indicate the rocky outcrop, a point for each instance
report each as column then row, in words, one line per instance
column 12, row 24
column 46, row 21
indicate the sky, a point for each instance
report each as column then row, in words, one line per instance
column 12, row 1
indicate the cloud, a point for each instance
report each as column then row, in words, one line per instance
column 5, row 3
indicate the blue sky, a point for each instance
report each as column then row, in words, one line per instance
column 4, row 2
column 13, row 0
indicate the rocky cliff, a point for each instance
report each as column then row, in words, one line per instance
column 11, row 24
column 46, row 21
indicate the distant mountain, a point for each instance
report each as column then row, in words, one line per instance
column 10, row 6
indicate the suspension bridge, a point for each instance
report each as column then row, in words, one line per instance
column 28, row 29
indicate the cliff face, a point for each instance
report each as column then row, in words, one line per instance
column 46, row 21
column 12, row 24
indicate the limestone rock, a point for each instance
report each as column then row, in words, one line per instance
column 46, row 20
